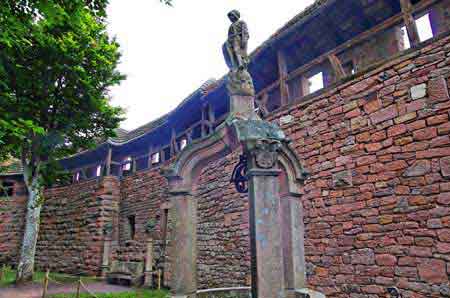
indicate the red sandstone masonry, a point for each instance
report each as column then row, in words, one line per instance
column 390, row 227
column 72, row 220
column 12, row 213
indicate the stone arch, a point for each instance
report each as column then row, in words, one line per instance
column 268, row 154
column 293, row 230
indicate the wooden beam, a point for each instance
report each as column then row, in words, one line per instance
column 173, row 143
column 336, row 64
column 304, row 86
column 108, row 162
column 410, row 23
column 262, row 104
column 283, row 74
column 133, row 165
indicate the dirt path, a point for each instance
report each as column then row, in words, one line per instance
column 35, row 290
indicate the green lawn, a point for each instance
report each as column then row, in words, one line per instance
column 10, row 276
column 131, row 294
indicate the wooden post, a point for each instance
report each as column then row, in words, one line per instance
column 133, row 165
column 78, row 288
column 173, row 143
column 283, row 74
column 410, row 23
column 2, row 272
column 304, row 85
column 212, row 117
column 338, row 70
column 106, row 255
column 44, row 290
column 108, row 162
column 149, row 264
column 159, row 279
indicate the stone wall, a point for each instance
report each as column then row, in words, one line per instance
column 223, row 228
column 72, row 221
column 377, row 204
column 142, row 195
column 12, row 213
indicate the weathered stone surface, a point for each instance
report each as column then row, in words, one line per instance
column 419, row 168
column 342, row 179
column 433, row 271
column 418, row 91
column 396, row 207
column 445, row 166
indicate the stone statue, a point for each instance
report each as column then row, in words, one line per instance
column 236, row 57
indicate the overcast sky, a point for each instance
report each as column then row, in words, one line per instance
column 169, row 52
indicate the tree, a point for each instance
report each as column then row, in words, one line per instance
column 57, row 64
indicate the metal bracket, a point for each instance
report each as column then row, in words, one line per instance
column 239, row 176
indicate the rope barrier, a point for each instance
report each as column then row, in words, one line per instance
column 87, row 290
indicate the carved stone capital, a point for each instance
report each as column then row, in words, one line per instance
column 263, row 153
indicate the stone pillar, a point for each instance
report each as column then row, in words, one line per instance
column 184, row 247
column 265, row 220
column 106, row 253
column 149, row 264
column 293, row 243
column 242, row 106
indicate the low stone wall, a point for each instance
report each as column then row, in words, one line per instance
column 72, row 221
column 12, row 214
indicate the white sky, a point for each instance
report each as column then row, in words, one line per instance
column 169, row 52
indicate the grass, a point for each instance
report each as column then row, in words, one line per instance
column 131, row 294
column 9, row 277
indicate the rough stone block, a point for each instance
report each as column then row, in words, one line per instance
column 342, row 179
column 384, row 114
column 418, row 91
column 432, row 271
column 445, row 166
column 286, row 119
column 419, row 168
column 437, row 89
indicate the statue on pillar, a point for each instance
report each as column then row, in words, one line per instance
column 236, row 57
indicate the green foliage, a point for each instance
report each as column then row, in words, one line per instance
column 57, row 64
column 38, row 277
column 167, row 2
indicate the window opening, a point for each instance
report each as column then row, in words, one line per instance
column 424, row 27
column 98, row 171
column 127, row 164
column 132, row 226
column 183, row 143
column 406, row 43
column 7, row 189
column 156, row 158
column 315, row 82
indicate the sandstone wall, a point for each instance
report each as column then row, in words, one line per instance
column 12, row 214
column 72, row 221
column 377, row 204
column 141, row 196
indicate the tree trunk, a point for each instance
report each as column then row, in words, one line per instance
column 25, row 267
